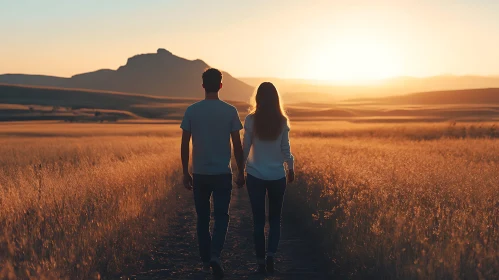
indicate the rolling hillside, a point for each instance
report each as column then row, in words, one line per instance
column 42, row 103
column 57, row 103
column 468, row 96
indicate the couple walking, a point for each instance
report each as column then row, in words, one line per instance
column 212, row 123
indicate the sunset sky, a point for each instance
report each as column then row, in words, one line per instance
column 342, row 40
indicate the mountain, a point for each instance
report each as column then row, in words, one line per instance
column 160, row 74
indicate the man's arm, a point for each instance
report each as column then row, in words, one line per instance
column 184, row 154
column 238, row 154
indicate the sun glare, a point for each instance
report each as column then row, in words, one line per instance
column 354, row 59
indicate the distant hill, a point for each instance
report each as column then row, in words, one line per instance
column 440, row 83
column 298, row 91
column 38, row 80
column 329, row 92
column 159, row 74
column 468, row 97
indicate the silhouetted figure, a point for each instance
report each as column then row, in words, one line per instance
column 266, row 149
column 211, row 123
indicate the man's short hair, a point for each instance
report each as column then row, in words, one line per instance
column 212, row 78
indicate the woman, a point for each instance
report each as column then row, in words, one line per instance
column 266, row 149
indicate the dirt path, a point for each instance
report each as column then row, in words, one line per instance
column 176, row 256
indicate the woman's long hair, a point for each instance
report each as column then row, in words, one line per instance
column 268, row 115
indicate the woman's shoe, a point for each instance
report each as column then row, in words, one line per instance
column 270, row 265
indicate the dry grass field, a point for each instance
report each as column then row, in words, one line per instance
column 406, row 201
column 74, row 207
column 402, row 209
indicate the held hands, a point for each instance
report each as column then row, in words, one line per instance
column 241, row 180
column 291, row 176
column 188, row 181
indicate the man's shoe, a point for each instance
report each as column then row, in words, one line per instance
column 218, row 271
column 270, row 265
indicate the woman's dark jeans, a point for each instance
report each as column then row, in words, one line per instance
column 257, row 190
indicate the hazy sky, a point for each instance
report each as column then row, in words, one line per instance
column 321, row 39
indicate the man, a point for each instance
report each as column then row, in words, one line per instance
column 211, row 123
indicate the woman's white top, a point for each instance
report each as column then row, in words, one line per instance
column 265, row 159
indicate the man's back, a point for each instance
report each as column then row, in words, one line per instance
column 210, row 123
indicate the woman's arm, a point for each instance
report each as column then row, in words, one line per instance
column 288, row 156
column 286, row 149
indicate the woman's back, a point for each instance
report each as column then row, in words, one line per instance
column 266, row 158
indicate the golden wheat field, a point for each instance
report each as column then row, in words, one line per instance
column 406, row 201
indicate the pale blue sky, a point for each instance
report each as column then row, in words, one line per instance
column 324, row 39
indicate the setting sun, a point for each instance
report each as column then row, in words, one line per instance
column 354, row 58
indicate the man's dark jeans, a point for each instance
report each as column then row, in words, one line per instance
column 257, row 190
column 221, row 188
